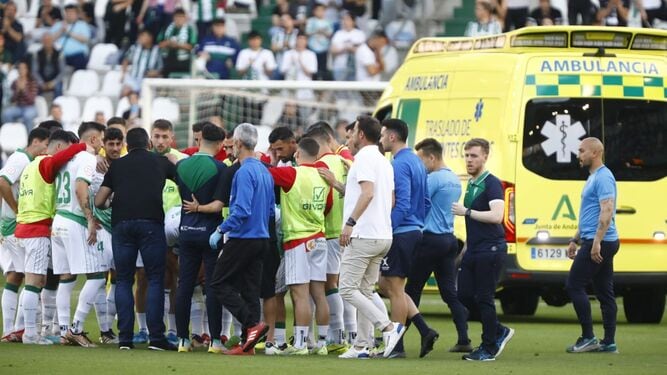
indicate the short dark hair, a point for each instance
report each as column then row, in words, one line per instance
column 309, row 146
column 475, row 142
column 349, row 126
column 399, row 127
column 60, row 136
column 179, row 12
column 72, row 137
column 113, row 134
column 146, row 31
column 38, row 133
column 50, row 125
column 281, row 133
column 371, row 128
column 229, row 135
column 430, row 147
column 90, row 125
column 163, row 124
column 137, row 138
column 379, row 34
column 71, row 6
column 320, row 131
column 254, row 34
column 212, row 133
column 117, row 121
column 219, row 21
column 197, row 126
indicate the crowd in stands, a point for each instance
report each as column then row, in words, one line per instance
column 497, row 16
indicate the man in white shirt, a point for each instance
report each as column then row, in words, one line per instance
column 299, row 64
column 344, row 43
column 255, row 62
column 367, row 236
column 369, row 60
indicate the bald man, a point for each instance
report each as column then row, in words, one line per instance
column 598, row 242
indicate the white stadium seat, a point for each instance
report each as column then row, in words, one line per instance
column 100, row 8
column 97, row 104
column 21, row 7
column 71, row 110
column 42, row 107
column 165, row 108
column 84, row 83
column 13, row 135
column 123, row 105
column 99, row 55
column 111, row 85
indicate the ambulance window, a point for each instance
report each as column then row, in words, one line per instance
column 635, row 139
column 552, row 130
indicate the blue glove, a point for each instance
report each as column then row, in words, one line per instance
column 214, row 239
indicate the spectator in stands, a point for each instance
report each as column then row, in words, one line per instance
column 207, row 13
column 580, row 8
column 613, row 12
column 344, row 44
column 368, row 58
column 299, row 11
column 485, row 24
column 255, row 62
column 281, row 7
column 56, row 113
column 156, row 15
column 72, row 36
column 121, row 15
column 146, row 61
column 13, row 32
column 319, row 31
column 47, row 14
column 134, row 112
column 100, row 118
column 545, row 15
column 24, row 92
column 402, row 32
column 176, row 43
column 652, row 10
column 516, row 13
column 48, row 68
column 219, row 51
column 300, row 64
column 292, row 118
column 285, row 38
column 87, row 9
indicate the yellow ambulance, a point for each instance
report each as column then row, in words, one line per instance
column 535, row 93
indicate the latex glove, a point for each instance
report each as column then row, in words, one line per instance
column 214, row 239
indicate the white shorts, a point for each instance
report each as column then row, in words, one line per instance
column 281, row 287
column 306, row 262
column 334, row 254
column 71, row 252
column 37, row 254
column 172, row 223
column 104, row 245
column 12, row 256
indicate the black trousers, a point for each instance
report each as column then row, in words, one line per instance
column 436, row 253
column 478, row 278
column 582, row 272
column 516, row 18
column 583, row 8
column 237, row 277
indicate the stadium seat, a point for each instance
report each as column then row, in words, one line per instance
column 97, row 104
column 13, row 135
column 42, row 107
column 12, row 75
column 123, row 105
column 21, row 8
column 71, row 109
column 272, row 111
column 99, row 55
column 84, row 83
column 165, row 108
column 100, row 8
column 111, row 85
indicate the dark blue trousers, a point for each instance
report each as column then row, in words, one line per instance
column 436, row 253
column 582, row 272
column 130, row 237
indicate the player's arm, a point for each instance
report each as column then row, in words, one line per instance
column 49, row 167
column 606, row 213
column 330, row 178
column 241, row 209
column 6, row 194
column 193, row 206
column 102, row 197
column 283, row 177
column 403, row 189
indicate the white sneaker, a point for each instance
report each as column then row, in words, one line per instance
column 354, row 353
column 392, row 337
column 36, row 340
column 273, row 349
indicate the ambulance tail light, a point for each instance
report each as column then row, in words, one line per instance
column 509, row 218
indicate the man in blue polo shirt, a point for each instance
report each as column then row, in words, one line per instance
column 199, row 180
column 407, row 222
column 483, row 207
column 438, row 249
column 595, row 259
column 238, row 272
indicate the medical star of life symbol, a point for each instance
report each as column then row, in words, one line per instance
column 563, row 138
